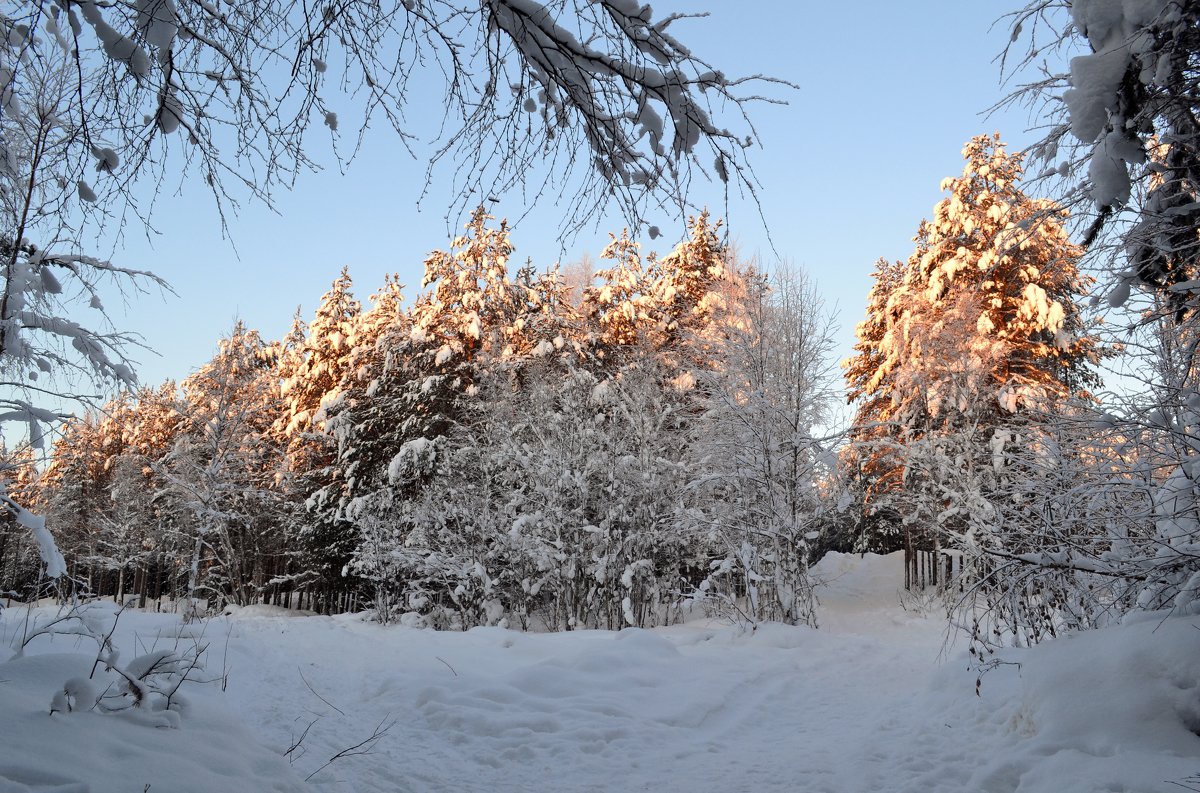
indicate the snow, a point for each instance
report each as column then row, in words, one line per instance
column 47, row 549
column 873, row 700
column 85, row 192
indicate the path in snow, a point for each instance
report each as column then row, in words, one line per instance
column 872, row 701
column 709, row 707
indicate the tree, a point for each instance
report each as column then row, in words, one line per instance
column 44, row 351
column 418, row 380
column 311, row 376
column 75, row 484
column 597, row 88
column 46, row 354
column 99, row 98
column 984, row 324
column 768, row 390
column 616, row 309
column 1129, row 114
column 19, row 559
column 222, row 468
column 870, row 466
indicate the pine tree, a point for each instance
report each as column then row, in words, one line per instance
column 686, row 288
column 75, row 484
column 870, row 464
column 222, row 469
column 416, row 383
column 983, row 325
column 310, row 384
column 365, row 418
column 616, row 309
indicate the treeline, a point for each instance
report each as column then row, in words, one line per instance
column 510, row 448
column 526, row 449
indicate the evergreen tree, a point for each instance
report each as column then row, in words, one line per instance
column 310, row 382
column 870, row 464
column 76, row 488
column 616, row 309
column 222, row 469
column 687, row 294
column 984, row 324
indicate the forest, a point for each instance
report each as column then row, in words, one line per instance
column 648, row 444
column 534, row 448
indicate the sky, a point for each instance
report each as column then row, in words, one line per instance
column 887, row 95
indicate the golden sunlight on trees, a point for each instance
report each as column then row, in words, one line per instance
column 495, row 453
column 979, row 327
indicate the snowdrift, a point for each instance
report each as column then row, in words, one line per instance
column 873, row 700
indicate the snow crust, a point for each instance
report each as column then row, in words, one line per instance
column 874, row 700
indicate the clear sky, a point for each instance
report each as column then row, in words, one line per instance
column 888, row 93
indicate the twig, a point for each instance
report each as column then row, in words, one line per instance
column 365, row 746
column 448, row 666
column 296, row 744
column 315, row 694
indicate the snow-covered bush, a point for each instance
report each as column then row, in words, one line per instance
column 147, row 685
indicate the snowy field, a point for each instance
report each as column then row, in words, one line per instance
column 872, row 701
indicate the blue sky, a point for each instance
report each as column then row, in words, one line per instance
column 888, row 93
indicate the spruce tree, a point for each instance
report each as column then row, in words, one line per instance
column 223, row 465
column 311, row 383
column 983, row 327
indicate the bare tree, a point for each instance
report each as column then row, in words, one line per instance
column 44, row 199
column 760, row 435
column 616, row 107
column 1122, row 151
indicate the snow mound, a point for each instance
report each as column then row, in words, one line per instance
column 865, row 577
column 263, row 610
column 1113, row 709
column 86, row 751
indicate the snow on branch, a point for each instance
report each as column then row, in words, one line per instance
column 47, row 549
column 597, row 94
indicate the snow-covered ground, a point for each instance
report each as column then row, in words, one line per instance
column 872, row 701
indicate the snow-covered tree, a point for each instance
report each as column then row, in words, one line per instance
column 686, row 290
column 760, row 454
column 1128, row 113
column 222, row 469
column 75, row 487
column 617, row 307
column 1123, row 150
column 870, row 467
column 99, row 99
column 317, row 368
column 20, row 563
column 534, row 91
column 416, row 376
column 46, row 155
column 540, row 456
column 361, row 418
column 674, row 307
column 57, row 347
column 311, row 376
column 410, row 380
column 559, row 503
column 985, row 323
